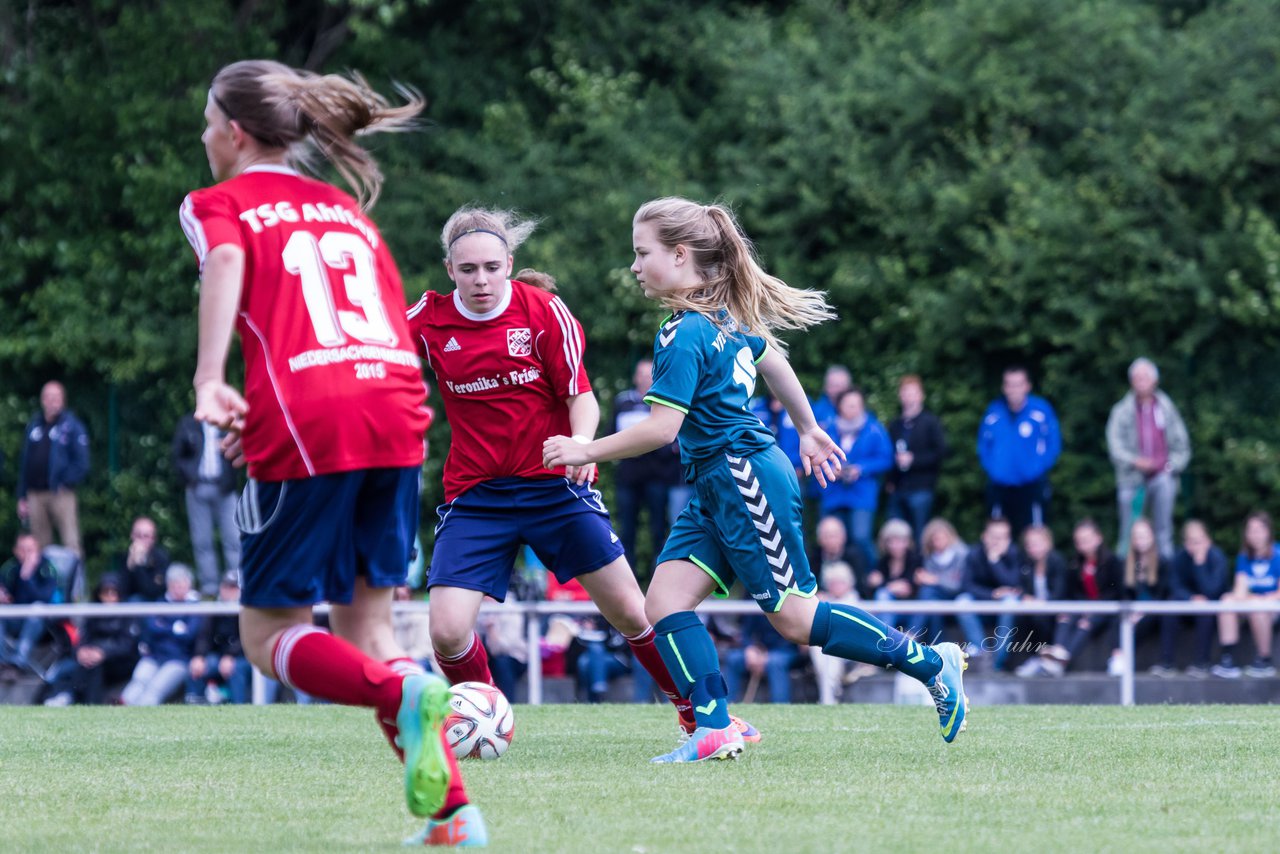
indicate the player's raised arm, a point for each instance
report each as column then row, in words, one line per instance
column 221, row 283
column 657, row 430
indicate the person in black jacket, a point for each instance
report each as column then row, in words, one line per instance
column 1201, row 573
column 1146, row 579
column 219, row 661
column 106, row 652
column 1094, row 574
column 992, row 573
column 211, row 498
column 142, row 567
column 919, row 446
column 1043, row 572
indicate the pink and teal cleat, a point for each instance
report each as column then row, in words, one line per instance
column 423, row 707
column 947, row 690
column 464, row 829
column 750, row 734
column 706, row 743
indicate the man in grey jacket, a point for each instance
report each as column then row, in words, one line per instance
column 1149, row 447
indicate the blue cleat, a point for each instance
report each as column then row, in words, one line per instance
column 464, row 829
column 423, row 708
column 947, row 690
column 706, row 743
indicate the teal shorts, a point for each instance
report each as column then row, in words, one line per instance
column 744, row 522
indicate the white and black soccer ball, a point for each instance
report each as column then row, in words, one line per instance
column 480, row 722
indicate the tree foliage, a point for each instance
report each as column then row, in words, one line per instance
column 974, row 182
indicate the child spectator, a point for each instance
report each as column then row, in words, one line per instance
column 1200, row 574
column 1146, row 579
column 1094, row 575
column 1257, row 580
column 1044, row 578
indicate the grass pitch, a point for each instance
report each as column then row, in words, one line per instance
column 851, row 778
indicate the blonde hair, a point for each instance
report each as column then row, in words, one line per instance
column 285, row 107
column 1131, row 559
column 931, row 529
column 507, row 226
column 889, row 530
column 732, row 278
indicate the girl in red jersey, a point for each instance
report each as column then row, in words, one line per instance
column 332, row 419
column 508, row 357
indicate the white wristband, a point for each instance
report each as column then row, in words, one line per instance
column 582, row 440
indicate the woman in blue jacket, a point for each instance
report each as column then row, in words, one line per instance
column 853, row 496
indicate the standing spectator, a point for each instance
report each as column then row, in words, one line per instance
column 835, row 382
column 1094, row 574
column 832, row 545
column 25, row 579
column 219, row 663
column 643, row 482
column 893, row 579
column 166, row 647
column 1149, row 447
column 855, row 492
column 941, row 578
column 55, row 460
column 760, row 653
column 919, row 446
column 142, row 568
column 1200, row 574
column 1018, row 443
column 106, row 652
column 211, row 499
column 993, row 572
column 1257, row 580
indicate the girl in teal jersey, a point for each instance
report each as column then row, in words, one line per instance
column 744, row 521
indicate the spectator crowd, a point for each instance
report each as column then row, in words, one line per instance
column 875, row 537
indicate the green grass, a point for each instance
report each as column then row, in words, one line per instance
column 852, row 778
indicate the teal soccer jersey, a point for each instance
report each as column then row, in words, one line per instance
column 744, row 519
column 709, row 375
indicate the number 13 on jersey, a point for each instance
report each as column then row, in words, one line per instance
column 316, row 262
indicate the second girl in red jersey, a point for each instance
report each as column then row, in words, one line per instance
column 508, row 358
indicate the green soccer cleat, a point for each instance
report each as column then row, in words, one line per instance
column 947, row 690
column 464, row 829
column 423, row 708
column 705, row 743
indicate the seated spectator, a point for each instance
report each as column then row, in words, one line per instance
column 853, row 495
column 142, row 567
column 504, row 638
column 1044, row 579
column 106, row 652
column 1146, row 579
column 832, row 546
column 893, row 579
column 219, row 664
column 412, row 630
column 992, row 573
column 1094, row 574
column 1257, row 580
column 25, row 579
column 603, row 656
column 761, row 653
column 832, row 672
column 167, row 645
column 941, row 579
column 1200, row 574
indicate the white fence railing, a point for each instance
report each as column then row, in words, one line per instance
column 736, row 607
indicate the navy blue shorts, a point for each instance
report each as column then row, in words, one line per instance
column 480, row 531
column 304, row 541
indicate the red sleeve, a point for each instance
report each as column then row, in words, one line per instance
column 562, row 348
column 209, row 219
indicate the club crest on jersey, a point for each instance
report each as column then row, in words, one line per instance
column 519, row 342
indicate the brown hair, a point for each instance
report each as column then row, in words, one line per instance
column 732, row 278
column 1265, row 518
column 285, row 107
column 910, row 379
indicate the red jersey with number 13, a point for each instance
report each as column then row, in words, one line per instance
column 504, row 377
column 331, row 376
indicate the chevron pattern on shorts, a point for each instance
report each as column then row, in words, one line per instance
column 767, row 526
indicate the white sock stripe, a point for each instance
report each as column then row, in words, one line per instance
column 406, row 667
column 642, row 637
column 475, row 639
column 284, row 649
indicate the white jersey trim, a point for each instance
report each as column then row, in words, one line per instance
column 488, row 315
column 194, row 230
column 275, row 386
column 271, row 167
column 572, row 341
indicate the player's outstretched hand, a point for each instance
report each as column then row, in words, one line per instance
column 821, row 456
column 564, row 451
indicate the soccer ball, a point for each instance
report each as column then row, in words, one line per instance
column 480, row 723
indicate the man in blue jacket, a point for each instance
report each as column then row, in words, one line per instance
column 1018, row 443
column 55, row 460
